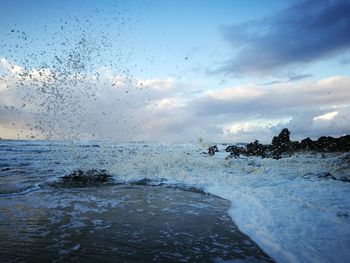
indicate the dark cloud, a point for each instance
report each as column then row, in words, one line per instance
column 290, row 79
column 299, row 77
column 304, row 32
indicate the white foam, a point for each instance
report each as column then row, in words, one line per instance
column 281, row 204
column 289, row 207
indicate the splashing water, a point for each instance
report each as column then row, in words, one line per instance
column 287, row 207
column 77, row 84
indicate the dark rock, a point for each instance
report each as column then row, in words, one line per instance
column 307, row 144
column 89, row 177
column 230, row 148
column 276, row 155
column 90, row 145
column 282, row 138
column 234, row 150
column 282, row 146
column 191, row 189
column 256, row 149
column 281, row 143
column 294, row 146
column 326, row 144
column 344, row 143
column 142, row 182
column 212, row 150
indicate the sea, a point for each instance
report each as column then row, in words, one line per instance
column 171, row 202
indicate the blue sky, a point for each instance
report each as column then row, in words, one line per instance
column 165, row 31
column 175, row 70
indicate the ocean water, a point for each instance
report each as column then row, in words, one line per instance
column 296, row 209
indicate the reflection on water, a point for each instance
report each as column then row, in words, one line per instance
column 121, row 223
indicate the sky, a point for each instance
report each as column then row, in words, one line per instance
column 218, row 71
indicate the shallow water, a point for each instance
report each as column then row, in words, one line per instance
column 290, row 207
column 121, row 223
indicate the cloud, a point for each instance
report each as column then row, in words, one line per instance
column 305, row 32
column 289, row 79
column 306, row 124
column 102, row 106
column 327, row 116
column 260, row 112
column 115, row 107
column 5, row 65
column 299, row 77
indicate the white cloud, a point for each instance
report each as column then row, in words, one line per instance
column 331, row 81
column 157, row 84
column 292, row 105
column 166, row 103
column 162, row 109
column 255, row 124
column 326, row 117
column 11, row 68
column 235, row 93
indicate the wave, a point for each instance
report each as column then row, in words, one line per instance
column 285, row 206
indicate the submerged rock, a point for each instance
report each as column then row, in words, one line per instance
column 327, row 176
column 80, row 178
column 146, row 182
column 89, row 175
column 90, row 145
column 212, row 150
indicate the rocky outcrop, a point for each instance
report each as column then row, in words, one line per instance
column 281, row 146
column 326, row 144
column 282, row 140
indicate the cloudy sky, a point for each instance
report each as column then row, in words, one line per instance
column 161, row 70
